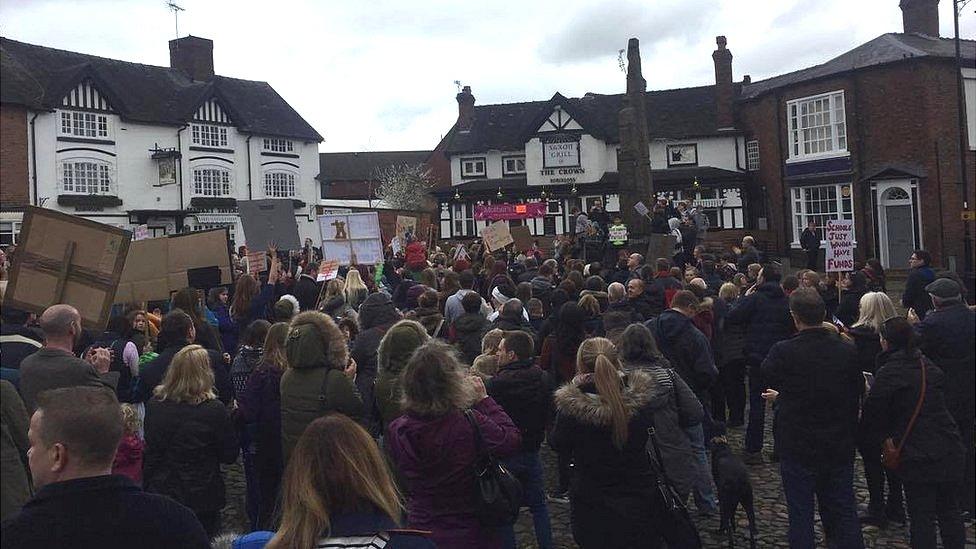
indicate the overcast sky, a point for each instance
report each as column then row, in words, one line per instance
column 379, row 75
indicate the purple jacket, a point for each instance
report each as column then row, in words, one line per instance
column 259, row 412
column 435, row 457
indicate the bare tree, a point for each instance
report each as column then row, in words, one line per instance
column 403, row 186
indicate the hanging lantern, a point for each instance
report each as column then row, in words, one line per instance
column 573, row 190
column 499, row 194
column 696, row 184
column 457, row 195
column 543, row 194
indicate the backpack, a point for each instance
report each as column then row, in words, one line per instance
column 124, row 389
column 305, row 347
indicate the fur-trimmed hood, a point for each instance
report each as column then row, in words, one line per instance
column 589, row 408
column 337, row 353
column 398, row 344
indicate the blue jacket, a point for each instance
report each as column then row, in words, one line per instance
column 686, row 348
column 915, row 296
column 354, row 531
column 766, row 313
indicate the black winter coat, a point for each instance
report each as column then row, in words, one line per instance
column 611, row 488
column 154, row 371
column 306, row 291
column 849, row 307
column 933, row 451
column 643, row 306
column 819, row 384
column 809, row 240
column 525, row 393
column 469, row 329
column 868, row 345
column 948, row 338
column 766, row 312
column 185, row 445
column 915, row 296
column 686, row 348
column 376, row 316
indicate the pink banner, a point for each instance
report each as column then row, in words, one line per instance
column 509, row 211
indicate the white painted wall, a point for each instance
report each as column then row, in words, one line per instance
column 136, row 175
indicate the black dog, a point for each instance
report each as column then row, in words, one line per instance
column 734, row 488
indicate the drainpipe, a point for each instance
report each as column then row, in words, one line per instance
column 179, row 177
column 248, row 145
column 738, row 165
column 34, row 157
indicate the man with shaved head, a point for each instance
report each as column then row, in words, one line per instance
column 55, row 365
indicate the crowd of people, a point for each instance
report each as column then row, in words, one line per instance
column 361, row 404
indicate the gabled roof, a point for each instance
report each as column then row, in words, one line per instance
column 37, row 77
column 887, row 48
column 673, row 114
column 362, row 166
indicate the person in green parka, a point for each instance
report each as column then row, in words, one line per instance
column 396, row 348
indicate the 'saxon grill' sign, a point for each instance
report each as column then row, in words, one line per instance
column 561, row 151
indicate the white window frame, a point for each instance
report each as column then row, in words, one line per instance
column 209, row 135
column 817, row 127
column 473, row 162
column 752, row 155
column 837, row 207
column 219, row 181
column 275, row 144
column 14, row 231
column 515, row 161
column 277, row 183
column 88, row 125
column 463, row 213
column 86, row 176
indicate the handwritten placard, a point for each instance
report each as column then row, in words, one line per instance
column 497, row 235
column 840, row 245
column 257, row 262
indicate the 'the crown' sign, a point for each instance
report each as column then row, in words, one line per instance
column 840, row 245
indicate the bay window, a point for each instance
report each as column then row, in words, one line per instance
column 86, row 176
column 211, row 181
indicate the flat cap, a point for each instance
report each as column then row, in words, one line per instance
column 944, row 288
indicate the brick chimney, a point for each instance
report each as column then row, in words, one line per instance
column 724, row 93
column 465, row 109
column 193, row 56
column 920, row 16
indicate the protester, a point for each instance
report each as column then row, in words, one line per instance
column 55, row 365
column 129, row 456
column 932, row 453
column 307, row 287
column 395, row 349
column 320, row 377
column 468, row 328
column 730, row 391
column 452, row 305
column 434, row 449
column 602, row 419
column 748, row 254
column 333, row 302
column 810, row 243
column 249, row 356
column 816, row 383
column 17, row 341
column 177, row 332
column 524, row 392
column 15, row 488
column 620, row 313
column 428, row 315
column 874, row 273
column 485, row 365
column 188, row 301
column 354, row 289
column 251, row 297
column 79, row 503
column 854, row 287
column 218, row 304
column 376, row 315
column 673, row 403
column 920, row 275
column 188, row 435
column 259, row 411
column 125, row 355
column 765, row 311
column 947, row 336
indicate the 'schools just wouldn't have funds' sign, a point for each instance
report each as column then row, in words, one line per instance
column 840, row 245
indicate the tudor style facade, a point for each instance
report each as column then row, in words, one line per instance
column 564, row 152
column 128, row 144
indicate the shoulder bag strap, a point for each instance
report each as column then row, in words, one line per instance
column 437, row 332
column 479, row 443
column 323, row 404
column 918, row 407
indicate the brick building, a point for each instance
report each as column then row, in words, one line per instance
column 354, row 176
column 872, row 135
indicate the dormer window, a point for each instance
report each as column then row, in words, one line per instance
column 207, row 135
column 513, row 165
column 473, row 167
column 84, row 124
column 279, row 145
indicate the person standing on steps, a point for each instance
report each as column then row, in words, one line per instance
column 810, row 242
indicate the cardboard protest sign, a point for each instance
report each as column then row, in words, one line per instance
column 157, row 267
column 641, row 208
column 522, row 237
column 269, row 220
column 497, row 235
column 840, row 245
column 352, row 238
column 405, row 224
column 660, row 245
column 63, row 258
column 617, row 232
column 257, row 262
column 328, row 269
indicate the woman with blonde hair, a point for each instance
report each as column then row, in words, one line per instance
column 355, row 290
column 602, row 421
column 338, row 492
column 188, row 435
column 876, row 308
column 434, row 448
column 259, row 412
column 593, row 323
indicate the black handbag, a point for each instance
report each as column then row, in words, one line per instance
column 671, row 517
column 497, row 493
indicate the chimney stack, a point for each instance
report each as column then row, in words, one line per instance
column 747, row 79
column 193, row 56
column 920, row 16
column 724, row 94
column 465, row 109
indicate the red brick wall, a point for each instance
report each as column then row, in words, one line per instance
column 902, row 114
column 14, row 177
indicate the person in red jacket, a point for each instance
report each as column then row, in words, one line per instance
column 416, row 255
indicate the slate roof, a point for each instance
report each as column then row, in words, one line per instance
column 362, row 166
column 38, row 77
column 887, row 48
column 674, row 114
